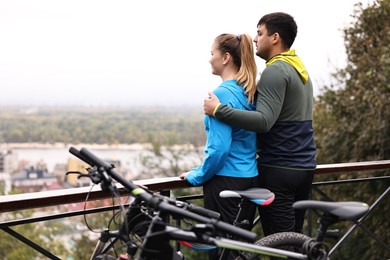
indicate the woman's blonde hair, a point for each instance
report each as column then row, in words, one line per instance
column 240, row 47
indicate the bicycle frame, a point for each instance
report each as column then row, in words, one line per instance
column 160, row 233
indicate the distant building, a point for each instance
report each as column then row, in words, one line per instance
column 59, row 171
column 32, row 179
column 8, row 162
column 5, row 183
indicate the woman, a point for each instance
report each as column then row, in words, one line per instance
column 230, row 153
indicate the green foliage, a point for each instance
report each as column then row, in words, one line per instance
column 102, row 125
column 83, row 247
column 351, row 122
column 43, row 234
column 169, row 161
column 352, row 117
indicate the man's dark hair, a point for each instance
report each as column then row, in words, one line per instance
column 281, row 23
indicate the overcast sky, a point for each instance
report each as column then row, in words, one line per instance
column 145, row 53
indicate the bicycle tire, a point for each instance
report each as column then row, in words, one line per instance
column 291, row 241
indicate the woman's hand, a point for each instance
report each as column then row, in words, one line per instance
column 183, row 176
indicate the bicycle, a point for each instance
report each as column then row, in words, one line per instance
column 155, row 241
column 260, row 196
column 333, row 212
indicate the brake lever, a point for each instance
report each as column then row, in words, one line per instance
column 92, row 174
column 80, row 174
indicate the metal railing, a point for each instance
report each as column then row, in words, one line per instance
column 35, row 200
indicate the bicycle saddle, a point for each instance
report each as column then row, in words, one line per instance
column 259, row 196
column 349, row 210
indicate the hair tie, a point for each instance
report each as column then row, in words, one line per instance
column 239, row 37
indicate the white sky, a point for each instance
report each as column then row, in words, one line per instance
column 145, row 53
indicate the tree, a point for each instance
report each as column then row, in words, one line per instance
column 43, row 234
column 357, row 109
column 351, row 120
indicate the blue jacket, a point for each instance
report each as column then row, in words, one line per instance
column 229, row 151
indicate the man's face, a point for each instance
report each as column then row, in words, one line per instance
column 262, row 42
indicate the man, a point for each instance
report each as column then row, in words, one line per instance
column 283, row 122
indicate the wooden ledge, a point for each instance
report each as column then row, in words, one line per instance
column 74, row 195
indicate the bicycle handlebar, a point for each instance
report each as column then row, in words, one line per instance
column 155, row 202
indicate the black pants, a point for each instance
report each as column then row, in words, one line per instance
column 288, row 186
column 228, row 207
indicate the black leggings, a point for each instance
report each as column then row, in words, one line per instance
column 288, row 186
column 228, row 207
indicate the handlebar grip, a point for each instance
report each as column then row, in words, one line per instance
column 108, row 172
column 77, row 153
column 90, row 157
column 203, row 211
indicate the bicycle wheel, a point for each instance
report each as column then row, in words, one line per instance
column 290, row 241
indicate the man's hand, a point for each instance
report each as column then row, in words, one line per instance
column 210, row 104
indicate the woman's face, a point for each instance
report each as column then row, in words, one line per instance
column 216, row 60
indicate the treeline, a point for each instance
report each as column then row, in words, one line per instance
column 165, row 126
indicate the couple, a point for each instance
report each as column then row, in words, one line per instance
column 274, row 122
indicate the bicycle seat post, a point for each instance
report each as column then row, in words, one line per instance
column 325, row 221
column 238, row 222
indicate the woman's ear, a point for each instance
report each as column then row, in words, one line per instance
column 226, row 58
